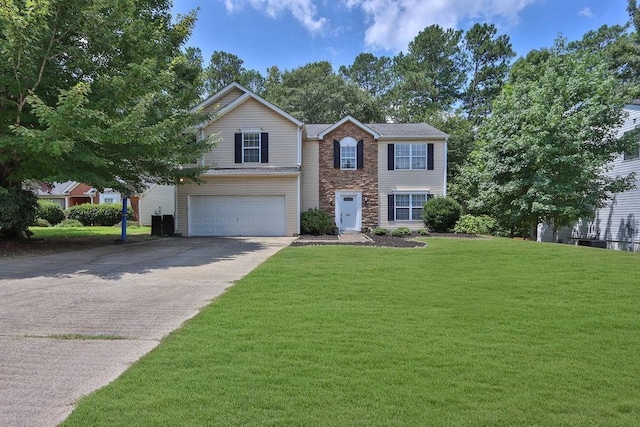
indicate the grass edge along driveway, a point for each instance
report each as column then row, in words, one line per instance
column 462, row 332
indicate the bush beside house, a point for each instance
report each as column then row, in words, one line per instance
column 440, row 214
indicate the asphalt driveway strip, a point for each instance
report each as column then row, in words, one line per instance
column 125, row 298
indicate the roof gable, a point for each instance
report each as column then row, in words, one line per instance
column 239, row 101
column 350, row 119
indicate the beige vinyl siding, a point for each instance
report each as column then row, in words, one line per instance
column 251, row 115
column 310, row 175
column 408, row 181
column 242, row 186
column 233, row 94
column 158, row 196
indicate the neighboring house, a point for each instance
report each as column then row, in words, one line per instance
column 269, row 167
column 69, row 193
column 157, row 199
column 618, row 224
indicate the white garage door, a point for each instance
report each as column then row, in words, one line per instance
column 237, row 216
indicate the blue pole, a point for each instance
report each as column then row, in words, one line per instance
column 123, row 235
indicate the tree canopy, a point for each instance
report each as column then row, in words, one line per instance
column 97, row 92
column 543, row 153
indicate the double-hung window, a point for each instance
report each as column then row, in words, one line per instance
column 408, row 207
column 251, row 147
column 348, row 158
column 411, row 156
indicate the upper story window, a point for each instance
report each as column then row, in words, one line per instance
column 348, row 154
column 348, row 157
column 252, row 147
column 410, row 156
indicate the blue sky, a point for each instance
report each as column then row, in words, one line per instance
column 292, row 33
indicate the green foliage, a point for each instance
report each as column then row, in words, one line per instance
column 440, row 214
column 316, row 221
column 17, row 211
column 488, row 56
column 431, row 74
column 98, row 93
column 69, row 223
column 41, row 222
column 545, row 151
column 50, row 211
column 401, row 232
column 105, row 215
column 470, row 224
column 225, row 68
column 314, row 93
column 423, row 232
column 379, row 231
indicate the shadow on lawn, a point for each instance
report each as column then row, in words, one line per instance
column 112, row 261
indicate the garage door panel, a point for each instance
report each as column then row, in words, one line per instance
column 237, row 215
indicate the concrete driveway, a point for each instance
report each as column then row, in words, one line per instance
column 135, row 292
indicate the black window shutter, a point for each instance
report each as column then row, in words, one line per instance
column 238, row 148
column 391, row 208
column 360, row 159
column 430, row 157
column 336, row 154
column 391, row 156
column 264, row 147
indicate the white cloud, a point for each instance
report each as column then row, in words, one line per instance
column 394, row 23
column 586, row 12
column 304, row 11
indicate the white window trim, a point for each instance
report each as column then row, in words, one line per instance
column 244, row 132
column 349, row 142
column 410, row 207
column 411, row 156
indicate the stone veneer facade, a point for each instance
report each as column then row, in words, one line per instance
column 365, row 180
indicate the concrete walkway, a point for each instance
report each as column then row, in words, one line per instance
column 137, row 293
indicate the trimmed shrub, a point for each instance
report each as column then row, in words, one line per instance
column 401, row 232
column 440, row 214
column 50, row 211
column 17, row 211
column 69, row 223
column 106, row 215
column 423, row 232
column 379, row 231
column 316, row 221
column 471, row 224
column 41, row 222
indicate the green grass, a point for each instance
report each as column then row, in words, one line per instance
column 462, row 332
column 64, row 232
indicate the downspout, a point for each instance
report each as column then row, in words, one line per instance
column 299, row 206
column 446, row 141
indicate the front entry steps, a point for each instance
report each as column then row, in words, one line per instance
column 355, row 237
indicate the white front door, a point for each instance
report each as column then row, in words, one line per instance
column 348, row 213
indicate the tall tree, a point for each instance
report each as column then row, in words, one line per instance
column 371, row 73
column 488, row 56
column 431, row 74
column 93, row 91
column 225, row 68
column 544, row 152
column 314, row 93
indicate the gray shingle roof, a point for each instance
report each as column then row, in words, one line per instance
column 387, row 130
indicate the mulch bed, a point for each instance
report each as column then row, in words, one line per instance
column 387, row 241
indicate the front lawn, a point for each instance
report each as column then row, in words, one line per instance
column 52, row 240
column 66, row 232
column 462, row 332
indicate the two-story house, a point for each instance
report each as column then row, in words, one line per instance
column 617, row 225
column 269, row 167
